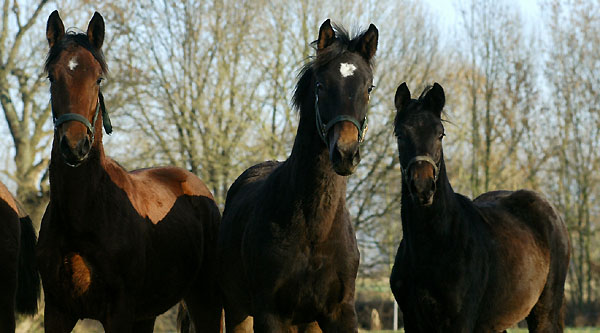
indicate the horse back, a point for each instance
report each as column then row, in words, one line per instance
column 8, row 198
column 154, row 191
column 527, row 208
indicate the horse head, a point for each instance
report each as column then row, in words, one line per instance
column 76, row 67
column 419, row 132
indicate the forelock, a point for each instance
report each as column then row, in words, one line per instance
column 73, row 38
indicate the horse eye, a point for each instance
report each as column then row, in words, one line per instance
column 51, row 78
column 442, row 136
column 99, row 81
column 371, row 88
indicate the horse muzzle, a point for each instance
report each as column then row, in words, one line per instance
column 344, row 157
column 422, row 191
column 74, row 155
column 422, row 176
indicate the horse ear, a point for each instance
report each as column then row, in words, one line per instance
column 435, row 99
column 367, row 44
column 402, row 97
column 326, row 36
column 55, row 30
column 95, row 30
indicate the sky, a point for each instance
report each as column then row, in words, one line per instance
column 446, row 10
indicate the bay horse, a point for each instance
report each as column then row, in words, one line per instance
column 470, row 266
column 19, row 278
column 115, row 246
column 287, row 247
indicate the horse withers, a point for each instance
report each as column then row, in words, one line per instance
column 116, row 246
column 19, row 278
column 287, row 247
column 470, row 266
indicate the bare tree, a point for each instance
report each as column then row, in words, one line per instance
column 25, row 110
column 574, row 75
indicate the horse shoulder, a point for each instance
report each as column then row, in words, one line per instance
column 251, row 175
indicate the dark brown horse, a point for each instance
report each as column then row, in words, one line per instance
column 286, row 244
column 116, row 246
column 470, row 266
column 19, row 278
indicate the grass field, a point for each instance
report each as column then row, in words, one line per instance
column 516, row 330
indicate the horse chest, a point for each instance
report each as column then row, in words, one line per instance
column 434, row 289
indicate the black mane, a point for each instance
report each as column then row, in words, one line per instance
column 72, row 39
column 343, row 43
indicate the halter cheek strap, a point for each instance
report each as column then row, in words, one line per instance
column 424, row 158
column 323, row 129
column 90, row 126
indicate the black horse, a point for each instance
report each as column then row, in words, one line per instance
column 286, row 244
column 470, row 266
column 19, row 278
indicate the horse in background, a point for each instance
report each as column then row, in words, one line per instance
column 19, row 278
column 470, row 266
column 287, row 247
column 116, row 246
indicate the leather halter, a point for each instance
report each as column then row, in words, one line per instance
column 90, row 126
column 423, row 158
column 323, row 129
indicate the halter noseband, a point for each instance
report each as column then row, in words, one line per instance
column 419, row 158
column 323, row 129
column 90, row 126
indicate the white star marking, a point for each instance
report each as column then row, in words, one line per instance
column 73, row 63
column 347, row 69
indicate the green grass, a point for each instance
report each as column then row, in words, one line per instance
column 568, row 330
column 515, row 330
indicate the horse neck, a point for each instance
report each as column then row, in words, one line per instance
column 74, row 189
column 312, row 182
column 436, row 224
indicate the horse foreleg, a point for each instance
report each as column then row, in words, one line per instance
column 309, row 328
column 343, row 320
column 121, row 316
column 205, row 306
column 268, row 322
column 144, row 326
column 57, row 321
column 244, row 326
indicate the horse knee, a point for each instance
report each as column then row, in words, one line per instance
column 244, row 326
column 342, row 320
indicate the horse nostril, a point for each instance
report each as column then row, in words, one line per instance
column 411, row 186
column 336, row 154
column 64, row 145
column 356, row 157
column 83, row 147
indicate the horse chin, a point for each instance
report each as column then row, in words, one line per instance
column 73, row 163
column 344, row 170
column 427, row 203
column 422, row 201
